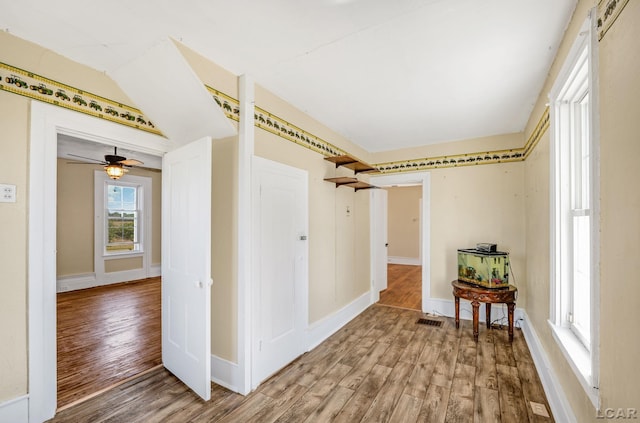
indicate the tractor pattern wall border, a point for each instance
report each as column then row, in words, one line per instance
column 25, row 83
column 276, row 125
column 470, row 159
column 28, row 84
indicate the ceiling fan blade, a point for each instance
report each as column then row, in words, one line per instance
column 87, row 158
column 131, row 162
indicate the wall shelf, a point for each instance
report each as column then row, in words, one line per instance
column 349, row 182
column 351, row 163
column 354, row 164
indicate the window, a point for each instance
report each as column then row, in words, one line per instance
column 122, row 216
column 122, row 224
column 574, row 241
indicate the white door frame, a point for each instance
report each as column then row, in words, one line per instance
column 424, row 179
column 46, row 123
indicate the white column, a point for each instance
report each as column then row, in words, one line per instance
column 245, row 152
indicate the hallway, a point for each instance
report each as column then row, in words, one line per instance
column 404, row 287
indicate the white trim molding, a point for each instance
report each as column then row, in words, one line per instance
column 15, row 410
column 578, row 75
column 409, row 261
column 446, row 308
column 322, row 329
column 226, row 373
column 558, row 401
column 47, row 122
column 75, row 282
column 424, row 179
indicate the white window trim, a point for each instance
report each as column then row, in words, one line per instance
column 100, row 180
column 585, row 364
column 141, row 190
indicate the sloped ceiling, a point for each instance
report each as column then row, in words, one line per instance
column 385, row 74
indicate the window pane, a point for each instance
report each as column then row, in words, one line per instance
column 581, row 278
column 114, row 197
column 122, row 222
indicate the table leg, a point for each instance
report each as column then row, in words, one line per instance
column 487, row 307
column 457, row 301
column 511, row 307
column 475, row 305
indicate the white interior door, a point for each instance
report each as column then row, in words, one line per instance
column 380, row 240
column 186, row 264
column 280, row 263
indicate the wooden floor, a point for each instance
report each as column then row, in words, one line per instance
column 380, row 367
column 105, row 335
column 404, row 287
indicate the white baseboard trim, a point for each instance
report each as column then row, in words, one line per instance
column 413, row 261
column 72, row 283
column 324, row 328
column 225, row 373
column 89, row 280
column 15, row 410
column 447, row 308
column 155, row 270
column 558, row 402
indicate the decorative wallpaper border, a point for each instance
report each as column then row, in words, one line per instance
column 276, row 125
column 470, row 159
column 28, row 84
column 25, row 83
column 608, row 12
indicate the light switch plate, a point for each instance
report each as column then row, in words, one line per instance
column 7, row 193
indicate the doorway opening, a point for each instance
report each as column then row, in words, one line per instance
column 47, row 124
column 403, row 267
column 107, row 270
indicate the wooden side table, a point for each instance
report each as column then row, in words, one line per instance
column 477, row 295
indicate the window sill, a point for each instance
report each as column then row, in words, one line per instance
column 579, row 359
column 123, row 254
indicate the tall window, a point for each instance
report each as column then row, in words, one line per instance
column 122, row 223
column 574, row 171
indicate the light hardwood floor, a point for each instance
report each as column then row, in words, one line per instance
column 106, row 335
column 404, row 287
column 380, row 367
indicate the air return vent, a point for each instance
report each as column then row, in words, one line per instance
column 429, row 322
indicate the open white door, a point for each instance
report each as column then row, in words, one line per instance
column 280, row 216
column 186, row 264
column 380, row 240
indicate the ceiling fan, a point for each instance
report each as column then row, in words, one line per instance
column 115, row 166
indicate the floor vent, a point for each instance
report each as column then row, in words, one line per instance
column 430, row 322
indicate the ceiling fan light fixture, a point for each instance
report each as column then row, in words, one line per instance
column 115, row 170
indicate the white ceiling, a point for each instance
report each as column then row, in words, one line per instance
column 385, row 74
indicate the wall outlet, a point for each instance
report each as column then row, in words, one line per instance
column 7, row 193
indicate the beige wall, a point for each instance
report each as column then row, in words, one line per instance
column 505, row 203
column 403, row 228
column 338, row 240
column 476, row 204
column 14, row 112
column 620, row 210
column 619, row 59
column 14, row 147
column 224, row 291
column 75, row 217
